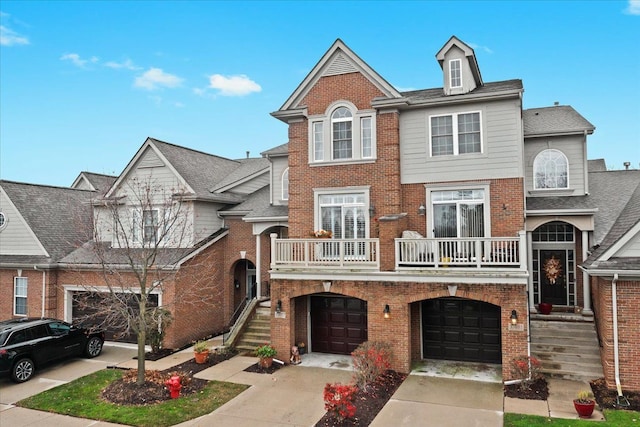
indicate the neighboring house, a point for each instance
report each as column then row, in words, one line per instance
column 39, row 225
column 453, row 212
column 94, row 182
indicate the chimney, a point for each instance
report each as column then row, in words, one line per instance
column 247, row 154
column 556, row 103
column 626, row 165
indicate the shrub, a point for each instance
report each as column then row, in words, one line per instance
column 338, row 400
column 527, row 370
column 370, row 360
column 157, row 321
column 265, row 351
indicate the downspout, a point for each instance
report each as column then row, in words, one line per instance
column 614, row 306
column 44, row 288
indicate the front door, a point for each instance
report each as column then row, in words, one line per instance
column 553, row 276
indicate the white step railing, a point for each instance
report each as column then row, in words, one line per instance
column 325, row 253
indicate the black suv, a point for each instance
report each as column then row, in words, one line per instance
column 27, row 344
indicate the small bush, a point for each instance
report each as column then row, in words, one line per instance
column 370, row 360
column 338, row 400
column 527, row 370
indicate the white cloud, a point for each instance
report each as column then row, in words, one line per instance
column 238, row 85
column 77, row 61
column 8, row 37
column 126, row 64
column 633, row 8
column 485, row 48
column 155, row 78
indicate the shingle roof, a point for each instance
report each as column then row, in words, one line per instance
column 100, row 182
column 277, row 151
column 257, row 206
column 246, row 168
column 487, row 88
column 59, row 217
column 559, row 119
column 596, row 165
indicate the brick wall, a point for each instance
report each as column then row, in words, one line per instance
column 402, row 330
column 628, row 301
column 34, row 292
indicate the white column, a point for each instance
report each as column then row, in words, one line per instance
column 532, row 303
column 586, row 289
column 258, row 266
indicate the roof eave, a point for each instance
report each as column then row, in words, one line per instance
column 547, row 212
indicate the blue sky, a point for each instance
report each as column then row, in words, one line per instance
column 82, row 84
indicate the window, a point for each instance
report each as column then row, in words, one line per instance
column 550, row 170
column 145, row 226
column 20, row 296
column 365, row 132
column 458, row 213
column 318, row 143
column 467, row 137
column 285, row 184
column 341, row 125
column 3, row 220
column 455, row 73
column 345, row 215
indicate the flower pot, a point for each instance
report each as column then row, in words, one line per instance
column 584, row 410
column 265, row 362
column 201, row 357
column 545, row 307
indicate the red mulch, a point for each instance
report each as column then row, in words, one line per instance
column 125, row 391
column 538, row 390
column 368, row 403
column 607, row 398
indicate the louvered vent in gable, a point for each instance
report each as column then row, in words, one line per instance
column 340, row 65
column 150, row 160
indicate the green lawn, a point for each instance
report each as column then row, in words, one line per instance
column 613, row 418
column 81, row 398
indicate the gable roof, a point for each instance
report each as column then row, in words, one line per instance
column 339, row 59
column 96, row 181
column 280, row 150
column 596, row 165
column 556, row 120
column 247, row 170
column 468, row 52
column 59, row 217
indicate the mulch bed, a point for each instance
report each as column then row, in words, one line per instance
column 539, row 390
column 125, row 391
column 607, row 398
column 368, row 403
column 257, row 369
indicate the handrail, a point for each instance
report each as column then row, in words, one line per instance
column 238, row 314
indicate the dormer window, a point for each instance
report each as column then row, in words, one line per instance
column 341, row 125
column 550, row 170
column 455, row 73
column 285, row 184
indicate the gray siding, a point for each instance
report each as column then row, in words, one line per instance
column 572, row 147
column 252, row 185
column 501, row 145
column 16, row 237
column 278, row 165
column 206, row 220
column 468, row 82
column 631, row 249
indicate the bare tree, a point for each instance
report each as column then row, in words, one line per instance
column 143, row 245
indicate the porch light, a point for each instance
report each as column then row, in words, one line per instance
column 514, row 317
column 387, row 311
column 422, row 210
column 279, row 306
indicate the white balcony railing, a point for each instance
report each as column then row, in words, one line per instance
column 462, row 252
column 325, row 253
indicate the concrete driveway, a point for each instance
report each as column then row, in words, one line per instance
column 60, row 373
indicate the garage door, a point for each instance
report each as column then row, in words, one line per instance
column 338, row 325
column 461, row 329
column 84, row 310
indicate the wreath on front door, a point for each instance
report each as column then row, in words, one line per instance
column 552, row 269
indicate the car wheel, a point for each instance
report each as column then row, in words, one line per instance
column 23, row 370
column 94, row 347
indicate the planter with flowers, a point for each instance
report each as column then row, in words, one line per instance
column 265, row 355
column 322, row 234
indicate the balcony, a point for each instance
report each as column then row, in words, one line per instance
column 479, row 252
column 362, row 254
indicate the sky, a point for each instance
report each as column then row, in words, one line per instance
column 84, row 83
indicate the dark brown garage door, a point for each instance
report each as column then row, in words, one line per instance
column 461, row 329
column 338, row 325
column 85, row 311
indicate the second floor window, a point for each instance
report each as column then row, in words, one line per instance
column 458, row 213
column 341, row 138
column 285, row 184
column 345, row 215
column 145, row 226
column 550, row 170
column 455, row 73
column 456, row 134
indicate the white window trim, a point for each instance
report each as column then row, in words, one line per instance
column 327, row 135
column 478, row 186
column 285, row 173
column 137, row 225
column 451, row 62
column 317, row 192
column 454, row 125
column 16, row 296
column 535, row 181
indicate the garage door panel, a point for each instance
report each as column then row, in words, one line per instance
column 345, row 319
column 355, row 318
column 337, row 317
column 461, row 329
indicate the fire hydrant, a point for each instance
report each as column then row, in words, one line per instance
column 174, row 386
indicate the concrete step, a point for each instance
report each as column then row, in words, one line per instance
column 573, row 375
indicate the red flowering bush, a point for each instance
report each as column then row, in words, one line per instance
column 370, row 360
column 527, row 370
column 338, row 400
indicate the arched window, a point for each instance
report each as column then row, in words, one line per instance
column 285, row 184
column 550, row 170
column 341, row 133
